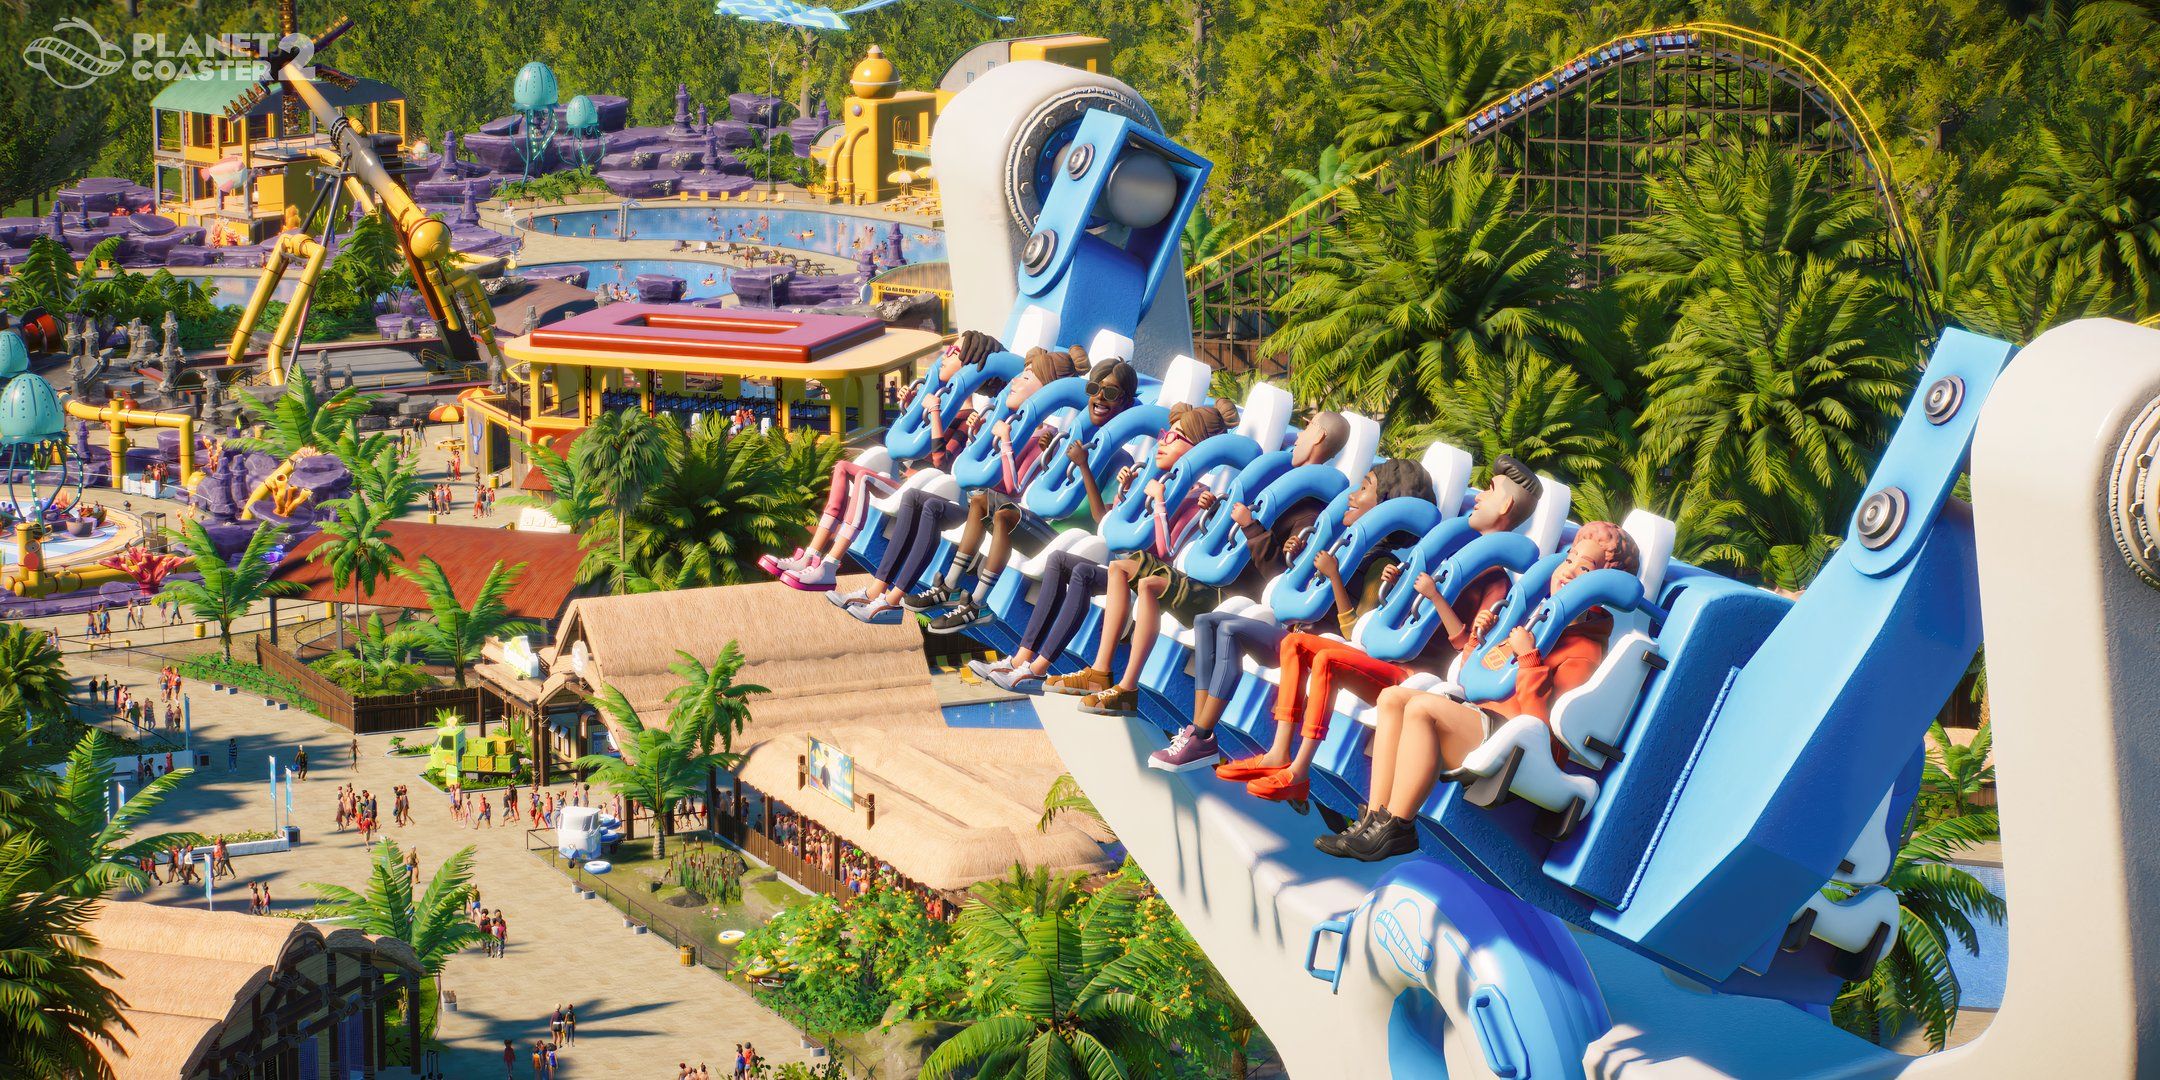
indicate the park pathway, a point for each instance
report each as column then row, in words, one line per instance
column 640, row 1011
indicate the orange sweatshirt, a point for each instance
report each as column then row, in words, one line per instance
column 1540, row 678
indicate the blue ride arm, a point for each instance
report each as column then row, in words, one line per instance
column 909, row 437
column 1057, row 492
column 1303, row 593
column 1130, row 525
column 1480, row 683
column 1615, row 589
column 1217, row 555
column 980, row 465
column 1406, row 621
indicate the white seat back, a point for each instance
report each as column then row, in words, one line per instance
column 1036, row 328
column 1358, row 449
column 1266, row 415
column 1109, row 345
column 1450, row 471
column 1654, row 541
column 1184, row 382
column 1544, row 523
column 1594, row 716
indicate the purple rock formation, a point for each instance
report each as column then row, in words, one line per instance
column 642, row 183
column 659, row 288
column 193, row 253
column 763, row 286
column 719, row 183
column 756, row 109
column 571, row 274
column 149, row 224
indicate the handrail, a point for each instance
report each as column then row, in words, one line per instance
column 1869, row 141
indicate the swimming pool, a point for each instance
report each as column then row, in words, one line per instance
column 803, row 230
column 1981, row 976
column 701, row 280
column 1008, row 715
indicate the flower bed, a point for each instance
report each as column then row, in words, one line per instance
column 215, row 669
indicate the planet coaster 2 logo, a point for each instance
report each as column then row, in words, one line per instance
column 75, row 55
column 68, row 63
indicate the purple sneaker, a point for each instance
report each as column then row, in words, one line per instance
column 1189, row 749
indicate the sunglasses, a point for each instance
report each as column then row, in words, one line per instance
column 1107, row 390
column 1173, row 435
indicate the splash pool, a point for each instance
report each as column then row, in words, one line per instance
column 803, row 230
column 1981, row 975
column 701, row 280
column 1009, row 715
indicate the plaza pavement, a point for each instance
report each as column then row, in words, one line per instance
column 639, row 1010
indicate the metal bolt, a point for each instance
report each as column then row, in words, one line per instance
column 1943, row 399
column 1039, row 250
column 1882, row 517
column 1078, row 159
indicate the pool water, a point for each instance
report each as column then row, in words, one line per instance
column 624, row 272
column 803, row 230
column 1981, row 976
column 1008, row 715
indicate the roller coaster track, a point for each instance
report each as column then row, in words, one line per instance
column 1231, row 289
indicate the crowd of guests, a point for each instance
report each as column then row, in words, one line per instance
column 857, row 871
column 1421, row 738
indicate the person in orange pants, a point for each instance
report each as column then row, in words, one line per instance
column 1314, row 667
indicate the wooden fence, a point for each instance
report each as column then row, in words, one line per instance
column 365, row 715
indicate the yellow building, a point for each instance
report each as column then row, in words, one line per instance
column 235, row 178
column 885, row 131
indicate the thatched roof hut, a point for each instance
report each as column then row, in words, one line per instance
column 196, row 983
column 953, row 807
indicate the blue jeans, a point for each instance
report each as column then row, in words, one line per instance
column 1069, row 583
column 1219, row 639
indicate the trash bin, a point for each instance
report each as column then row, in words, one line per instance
column 689, row 955
column 292, row 834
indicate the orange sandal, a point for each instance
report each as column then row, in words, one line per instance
column 1243, row 769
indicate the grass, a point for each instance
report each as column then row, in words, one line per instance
column 214, row 668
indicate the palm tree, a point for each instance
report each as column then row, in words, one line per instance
column 1777, row 387
column 720, row 502
column 376, row 664
column 226, row 592
column 299, row 420
column 461, row 627
column 358, row 551
column 1203, row 238
column 658, row 768
column 573, row 498
column 1725, row 204
column 30, row 666
column 2091, row 198
column 1992, row 283
column 710, row 707
column 1327, row 174
column 1958, row 774
column 56, row 1015
column 1419, row 286
column 1938, row 902
column 625, row 452
column 1533, row 408
column 1065, row 796
column 91, row 851
column 1430, row 72
column 432, row 921
column 386, row 477
column 1057, row 1005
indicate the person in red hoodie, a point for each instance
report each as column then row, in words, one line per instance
column 1423, row 738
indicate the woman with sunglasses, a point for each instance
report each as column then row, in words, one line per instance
column 1113, row 387
column 816, row 565
column 1071, row 582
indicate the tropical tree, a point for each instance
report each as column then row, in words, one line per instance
column 1956, row 775
column 91, row 847
column 376, row 662
column 624, row 453
column 1421, row 286
column 658, row 768
column 710, row 708
column 573, row 497
column 1204, row 237
column 300, row 420
column 432, row 921
column 461, row 627
column 385, row 476
column 31, row 667
column 1533, row 408
column 1937, row 902
column 1065, row 796
column 1057, row 1003
column 1778, row 386
column 1430, row 71
column 2090, row 198
column 1993, row 284
column 1329, row 172
column 358, row 550
column 227, row 591
column 719, row 501
column 56, row 1016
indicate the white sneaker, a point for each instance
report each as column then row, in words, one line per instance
column 799, row 561
column 817, row 578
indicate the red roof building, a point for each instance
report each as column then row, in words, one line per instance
column 466, row 553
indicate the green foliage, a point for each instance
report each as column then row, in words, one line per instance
column 573, row 496
column 432, row 921
column 300, row 420
column 855, row 961
column 32, row 673
column 461, row 626
column 1427, row 74
column 55, row 1014
column 358, row 550
column 226, row 592
column 553, row 187
column 658, row 768
column 376, row 663
column 714, row 873
column 624, row 453
column 710, row 708
column 368, row 264
column 213, row 668
column 772, row 158
column 1937, row 902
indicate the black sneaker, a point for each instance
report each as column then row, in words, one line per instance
column 963, row 615
column 930, row 599
column 1388, row 837
column 1332, row 843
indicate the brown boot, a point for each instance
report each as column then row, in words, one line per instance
column 1080, row 683
column 1116, row 701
